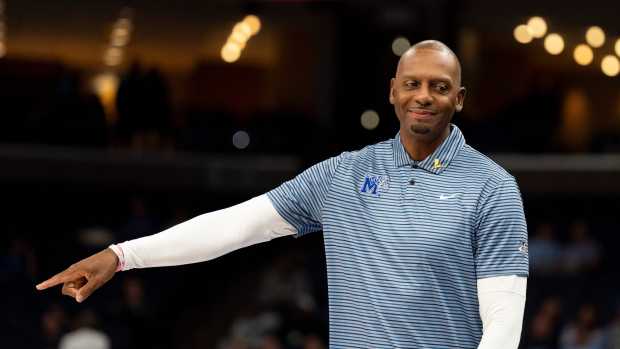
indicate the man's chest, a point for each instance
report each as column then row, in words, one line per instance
column 404, row 214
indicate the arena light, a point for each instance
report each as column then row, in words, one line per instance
column 120, row 36
column 583, row 54
column 595, row 36
column 238, row 38
column 400, row 45
column 243, row 28
column 113, row 56
column 369, row 119
column 230, row 52
column 522, row 34
column 537, row 27
column 253, row 22
column 554, row 44
column 105, row 87
column 124, row 23
column 610, row 65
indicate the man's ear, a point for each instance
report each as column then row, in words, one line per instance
column 392, row 92
column 460, row 99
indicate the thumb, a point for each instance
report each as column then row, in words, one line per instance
column 88, row 289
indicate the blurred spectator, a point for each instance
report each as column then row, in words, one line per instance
column 85, row 335
column 313, row 342
column 20, row 259
column 286, row 282
column 271, row 342
column 73, row 118
column 140, row 222
column 582, row 253
column 583, row 333
column 133, row 325
column 253, row 331
column 53, row 324
column 613, row 332
column 143, row 107
column 545, row 251
column 544, row 327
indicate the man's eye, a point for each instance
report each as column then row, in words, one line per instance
column 411, row 84
column 442, row 88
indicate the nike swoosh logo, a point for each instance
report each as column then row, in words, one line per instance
column 446, row 197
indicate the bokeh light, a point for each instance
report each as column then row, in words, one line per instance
column 617, row 47
column 253, row 22
column 537, row 27
column 241, row 139
column 124, row 23
column 370, row 119
column 119, row 37
column 610, row 65
column 105, row 87
column 2, row 49
column 230, row 52
column 554, row 44
column 595, row 36
column 243, row 28
column 583, row 54
column 522, row 34
column 113, row 56
column 237, row 39
column 400, row 45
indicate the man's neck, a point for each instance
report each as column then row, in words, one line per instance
column 419, row 150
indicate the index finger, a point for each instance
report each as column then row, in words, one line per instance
column 59, row 278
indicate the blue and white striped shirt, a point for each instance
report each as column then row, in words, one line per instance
column 406, row 241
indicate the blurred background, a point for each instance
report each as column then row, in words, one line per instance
column 122, row 118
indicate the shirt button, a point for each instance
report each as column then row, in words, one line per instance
column 412, row 181
column 414, row 166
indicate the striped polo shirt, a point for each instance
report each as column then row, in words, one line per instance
column 405, row 240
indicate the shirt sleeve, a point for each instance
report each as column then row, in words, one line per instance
column 300, row 200
column 501, row 235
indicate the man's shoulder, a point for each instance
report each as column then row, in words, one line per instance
column 370, row 153
column 484, row 167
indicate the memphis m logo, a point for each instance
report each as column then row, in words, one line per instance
column 374, row 184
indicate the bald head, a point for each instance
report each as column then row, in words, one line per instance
column 433, row 45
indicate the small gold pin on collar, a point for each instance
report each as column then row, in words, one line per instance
column 437, row 164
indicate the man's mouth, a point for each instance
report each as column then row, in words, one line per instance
column 420, row 113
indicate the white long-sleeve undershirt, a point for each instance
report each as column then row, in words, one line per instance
column 208, row 236
column 502, row 303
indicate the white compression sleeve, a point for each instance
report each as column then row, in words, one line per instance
column 502, row 303
column 206, row 236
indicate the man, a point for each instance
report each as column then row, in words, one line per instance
column 425, row 238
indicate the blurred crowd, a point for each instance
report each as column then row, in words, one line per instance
column 53, row 104
column 573, row 291
column 270, row 296
column 267, row 297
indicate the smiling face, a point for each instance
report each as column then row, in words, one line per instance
column 426, row 92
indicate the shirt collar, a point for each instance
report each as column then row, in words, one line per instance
column 436, row 162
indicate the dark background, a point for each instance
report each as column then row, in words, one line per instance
column 81, row 169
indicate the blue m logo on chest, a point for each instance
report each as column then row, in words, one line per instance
column 374, row 185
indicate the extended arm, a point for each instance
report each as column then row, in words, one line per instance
column 199, row 239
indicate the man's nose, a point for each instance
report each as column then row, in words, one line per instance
column 423, row 97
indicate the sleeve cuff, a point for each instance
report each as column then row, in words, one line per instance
column 121, row 256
